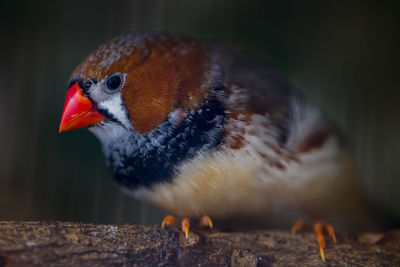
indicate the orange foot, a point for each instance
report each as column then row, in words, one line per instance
column 319, row 228
column 204, row 221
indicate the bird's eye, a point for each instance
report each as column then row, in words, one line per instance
column 114, row 82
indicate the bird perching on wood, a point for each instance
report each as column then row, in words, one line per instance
column 202, row 132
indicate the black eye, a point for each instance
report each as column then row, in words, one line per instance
column 114, row 82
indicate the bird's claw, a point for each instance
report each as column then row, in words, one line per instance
column 185, row 226
column 204, row 221
column 169, row 220
column 319, row 228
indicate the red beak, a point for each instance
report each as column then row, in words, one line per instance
column 78, row 110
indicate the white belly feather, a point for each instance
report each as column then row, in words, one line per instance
column 242, row 182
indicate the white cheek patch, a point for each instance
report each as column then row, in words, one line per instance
column 114, row 106
column 112, row 103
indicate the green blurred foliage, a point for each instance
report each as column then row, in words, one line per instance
column 344, row 55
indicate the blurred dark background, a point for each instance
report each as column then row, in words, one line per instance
column 343, row 55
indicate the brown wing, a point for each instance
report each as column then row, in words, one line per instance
column 266, row 92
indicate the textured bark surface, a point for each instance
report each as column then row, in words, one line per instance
column 78, row 244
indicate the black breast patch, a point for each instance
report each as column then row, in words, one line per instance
column 153, row 157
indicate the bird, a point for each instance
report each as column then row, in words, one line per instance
column 202, row 131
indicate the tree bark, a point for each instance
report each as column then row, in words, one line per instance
column 79, row 244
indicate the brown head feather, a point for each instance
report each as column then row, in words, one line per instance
column 163, row 72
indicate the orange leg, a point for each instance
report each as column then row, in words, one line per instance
column 169, row 220
column 185, row 226
column 298, row 225
column 204, row 221
column 331, row 232
column 319, row 229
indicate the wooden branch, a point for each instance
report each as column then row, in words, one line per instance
column 72, row 244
